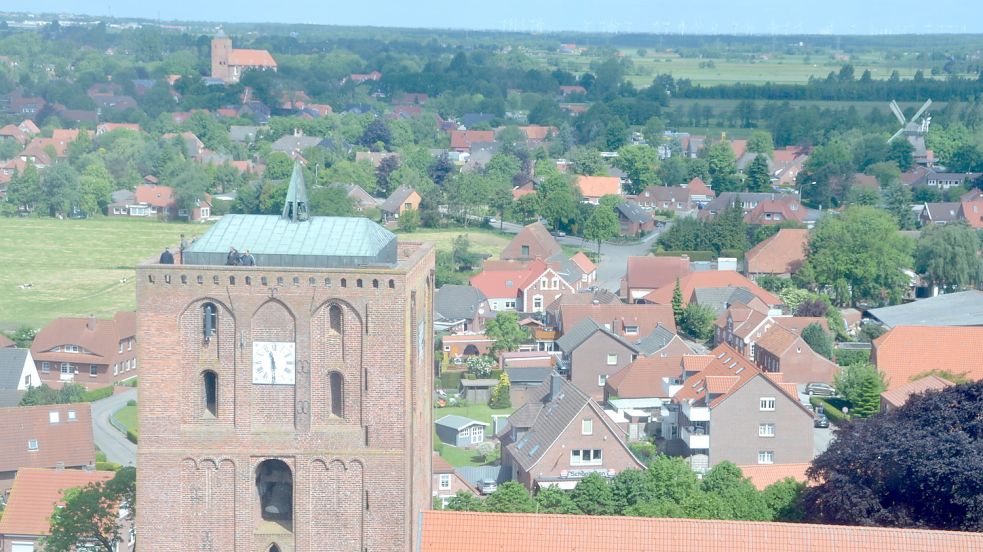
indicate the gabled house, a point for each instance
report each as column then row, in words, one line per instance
column 939, row 212
column 598, row 297
column 905, row 353
column 560, row 436
column 710, row 279
column 741, row 327
column 897, row 397
column 103, row 128
column 761, row 207
column 153, row 200
column 35, row 495
column 721, row 298
column 647, row 274
column 362, row 200
column 17, row 371
column 401, row 200
column 675, row 199
column 644, row 379
column 634, row 220
column 446, row 481
column 460, row 308
column 462, row 140
column 699, row 192
column 90, row 351
column 733, row 411
column 542, row 286
column 500, row 287
column 48, row 436
column 780, row 255
column 532, row 242
column 592, row 353
column 630, row 321
column 593, row 188
column 783, row 350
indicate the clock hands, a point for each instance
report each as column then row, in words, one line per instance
column 273, row 367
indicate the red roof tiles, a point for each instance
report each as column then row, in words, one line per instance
column 906, row 351
column 251, row 58
column 67, row 440
column 782, row 253
column 655, row 272
column 898, row 396
column 762, row 475
column 710, row 279
column 594, row 187
column 35, row 494
column 446, row 531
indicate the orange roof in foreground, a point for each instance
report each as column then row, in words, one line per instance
column 35, row 494
column 898, row 396
column 710, row 279
column 583, row 262
column 782, row 253
column 446, row 531
column 762, row 475
column 906, row 351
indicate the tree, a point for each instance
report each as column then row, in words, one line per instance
column 677, row 303
column 653, row 130
column 698, row 321
column 601, row 225
column 69, row 393
column 916, row 466
column 463, row 501
column 500, row 396
column 480, row 366
column 897, row 201
column 721, row 163
column 91, row 514
column 761, row 142
column 387, row 167
column 641, row 164
column 726, row 482
column 861, row 385
column 948, row 256
column 554, row 500
column 818, row 340
column 331, row 201
column 783, row 498
column 588, row 161
column 377, row 134
column 858, row 257
column 409, row 221
column 631, row 487
column 23, row 336
column 510, row 496
column 506, row 332
column 758, row 176
column 593, row 496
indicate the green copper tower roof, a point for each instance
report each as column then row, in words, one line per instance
column 319, row 242
column 295, row 206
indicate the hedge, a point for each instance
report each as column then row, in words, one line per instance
column 132, row 436
column 108, row 466
column 702, row 256
column 832, row 407
column 97, row 394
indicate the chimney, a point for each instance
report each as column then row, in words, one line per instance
column 91, row 323
column 555, row 385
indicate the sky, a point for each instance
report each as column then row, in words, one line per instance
column 648, row 16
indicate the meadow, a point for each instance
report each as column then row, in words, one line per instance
column 75, row 267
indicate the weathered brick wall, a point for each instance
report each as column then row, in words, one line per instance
column 359, row 481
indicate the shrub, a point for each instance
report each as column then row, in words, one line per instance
column 132, row 436
column 108, row 466
column 97, row 394
column 100, row 456
column 131, row 402
column 849, row 357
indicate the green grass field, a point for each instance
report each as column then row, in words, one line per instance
column 75, row 267
column 482, row 241
column 128, row 417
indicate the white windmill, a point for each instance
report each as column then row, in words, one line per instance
column 913, row 129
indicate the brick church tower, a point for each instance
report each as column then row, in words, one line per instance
column 286, row 406
column 221, row 56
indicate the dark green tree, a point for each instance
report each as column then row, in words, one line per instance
column 698, row 321
column 758, row 176
column 554, row 500
column 818, row 340
column 861, row 385
column 510, row 496
column 601, row 225
column 677, row 304
column 948, row 256
column 91, row 514
column 465, row 501
column 506, row 332
column 593, row 496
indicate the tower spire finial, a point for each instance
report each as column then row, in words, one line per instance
column 295, row 206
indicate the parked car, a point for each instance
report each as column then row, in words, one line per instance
column 487, row 486
column 821, row 421
column 820, row 389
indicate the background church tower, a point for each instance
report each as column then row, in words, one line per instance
column 286, row 406
column 221, row 55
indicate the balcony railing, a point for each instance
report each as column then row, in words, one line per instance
column 546, row 335
column 695, row 413
column 695, row 437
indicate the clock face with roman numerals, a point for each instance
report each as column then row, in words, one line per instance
column 273, row 362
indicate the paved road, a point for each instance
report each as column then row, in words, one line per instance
column 614, row 257
column 821, row 438
column 109, row 439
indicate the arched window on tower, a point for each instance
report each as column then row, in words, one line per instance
column 209, row 318
column 334, row 318
column 209, row 382
column 274, row 548
column 275, row 487
column 337, row 382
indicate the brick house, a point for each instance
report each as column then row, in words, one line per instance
column 733, row 411
column 532, row 242
column 675, row 199
column 35, row 495
column 647, row 274
column 447, row 482
column 460, row 308
column 90, row 351
column 634, row 220
column 710, row 279
column 784, row 351
column 741, row 327
column 560, row 436
column 592, row 353
column 153, row 200
column 593, row 188
column 401, row 200
column 780, row 255
column 49, row 436
column 897, row 397
column 631, row 322
column 269, row 391
column 906, row 352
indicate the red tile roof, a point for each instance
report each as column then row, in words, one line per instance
column 782, row 253
column 35, row 494
column 499, row 284
column 655, row 272
column 971, row 210
column 583, row 262
column 906, row 351
column 727, row 372
column 698, row 187
column 462, row 139
column 898, row 396
column 99, row 336
column 762, row 475
column 643, row 378
column 68, row 440
column 739, row 147
column 6, row 341
column 710, row 279
column 773, row 211
column 618, row 315
column 447, row 531
column 541, row 244
column 538, row 133
column 251, row 58
column 158, row 196
column 598, row 186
